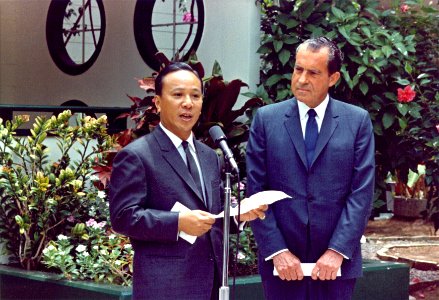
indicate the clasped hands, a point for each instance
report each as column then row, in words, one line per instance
column 198, row 222
column 288, row 266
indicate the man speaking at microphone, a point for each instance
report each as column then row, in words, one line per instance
column 155, row 172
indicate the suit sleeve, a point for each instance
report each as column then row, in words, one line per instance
column 128, row 203
column 267, row 234
column 358, row 206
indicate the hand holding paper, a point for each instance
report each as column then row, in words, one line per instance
column 306, row 268
column 192, row 223
column 255, row 201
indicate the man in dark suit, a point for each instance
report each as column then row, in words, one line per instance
column 325, row 161
column 150, row 176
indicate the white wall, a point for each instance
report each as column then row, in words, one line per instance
column 232, row 37
column 28, row 75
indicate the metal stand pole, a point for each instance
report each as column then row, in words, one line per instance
column 224, row 289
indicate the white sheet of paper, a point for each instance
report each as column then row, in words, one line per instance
column 178, row 207
column 306, row 268
column 256, row 200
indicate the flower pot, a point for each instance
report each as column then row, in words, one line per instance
column 381, row 281
column 21, row 284
column 408, row 207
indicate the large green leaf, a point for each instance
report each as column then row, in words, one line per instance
column 401, row 48
column 402, row 81
column 388, row 120
column 402, row 123
column 278, row 44
column 338, row 13
column 387, row 50
column 292, row 23
column 408, row 68
column 263, row 49
column 284, row 56
column 364, row 88
column 402, row 108
column 306, row 9
column 273, row 79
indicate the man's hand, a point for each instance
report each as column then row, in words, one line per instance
column 288, row 266
column 327, row 266
column 254, row 213
column 195, row 222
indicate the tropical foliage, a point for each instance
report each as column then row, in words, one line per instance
column 43, row 192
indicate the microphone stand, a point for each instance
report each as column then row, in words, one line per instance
column 224, row 289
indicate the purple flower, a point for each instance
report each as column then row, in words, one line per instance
column 71, row 219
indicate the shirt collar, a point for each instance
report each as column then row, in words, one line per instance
column 176, row 140
column 320, row 109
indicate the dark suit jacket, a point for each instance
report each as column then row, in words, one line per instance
column 148, row 177
column 330, row 202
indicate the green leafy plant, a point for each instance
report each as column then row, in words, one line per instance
column 384, row 51
column 417, row 120
column 42, row 192
column 92, row 252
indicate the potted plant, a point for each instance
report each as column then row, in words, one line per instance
column 410, row 198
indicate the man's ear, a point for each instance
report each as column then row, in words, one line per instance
column 333, row 78
column 157, row 102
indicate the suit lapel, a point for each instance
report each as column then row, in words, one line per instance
column 173, row 157
column 330, row 123
column 294, row 129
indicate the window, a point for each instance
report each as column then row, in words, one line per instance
column 165, row 26
column 75, row 31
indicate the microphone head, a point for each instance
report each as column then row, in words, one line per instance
column 217, row 134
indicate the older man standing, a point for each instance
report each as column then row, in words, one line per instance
column 320, row 151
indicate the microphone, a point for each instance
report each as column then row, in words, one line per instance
column 220, row 138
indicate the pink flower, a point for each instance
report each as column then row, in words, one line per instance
column 406, row 95
column 404, row 8
column 100, row 225
column 187, row 18
column 91, row 223
column 437, row 128
column 71, row 219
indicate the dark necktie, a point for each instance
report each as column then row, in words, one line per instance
column 311, row 135
column 192, row 166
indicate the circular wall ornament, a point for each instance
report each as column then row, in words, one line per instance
column 75, row 31
column 161, row 26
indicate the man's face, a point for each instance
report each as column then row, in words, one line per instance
column 311, row 80
column 180, row 103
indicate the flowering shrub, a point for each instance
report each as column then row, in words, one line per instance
column 42, row 192
column 391, row 69
column 92, row 252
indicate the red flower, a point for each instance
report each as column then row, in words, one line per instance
column 406, row 94
column 404, row 8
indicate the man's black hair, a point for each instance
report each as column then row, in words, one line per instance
column 335, row 58
column 173, row 67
